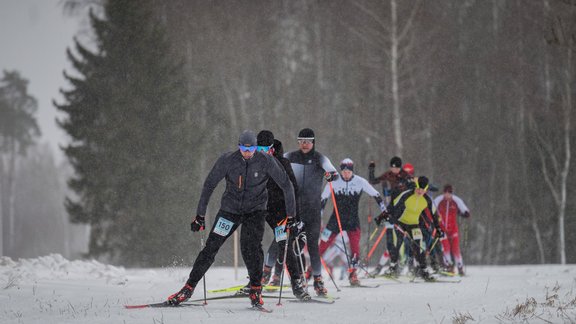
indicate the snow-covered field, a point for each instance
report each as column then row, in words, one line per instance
column 52, row 289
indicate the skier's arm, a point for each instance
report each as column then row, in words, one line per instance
column 464, row 211
column 277, row 173
column 217, row 173
column 367, row 188
column 330, row 171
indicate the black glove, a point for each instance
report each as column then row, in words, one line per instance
column 291, row 222
column 372, row 165
column 197, row 224
column 384, row 216
column 466, row 214
column 330, row 176
column 439, row 232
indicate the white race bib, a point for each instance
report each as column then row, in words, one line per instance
column 223, row 227
column 416, row 234
column 280, row 233
column 325, row 235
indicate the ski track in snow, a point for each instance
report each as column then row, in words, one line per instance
column 52, row 289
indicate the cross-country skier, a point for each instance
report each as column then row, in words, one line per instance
column 410, row 208
column 394, row 181
column 310, row 168
column 347, row 190
column 244, row 203
column 449, row 207
column 276, row 217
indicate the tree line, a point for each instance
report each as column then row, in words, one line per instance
column 478, row 94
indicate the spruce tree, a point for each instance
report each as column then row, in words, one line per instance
column 131, row 131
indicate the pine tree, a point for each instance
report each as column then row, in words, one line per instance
column 18, row 131
column 131, row 130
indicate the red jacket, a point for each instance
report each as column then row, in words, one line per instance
column 448, row 209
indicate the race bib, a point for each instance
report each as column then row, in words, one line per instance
column 280, row 233
column 416, row 234
column 223, row 227
column 325, row 235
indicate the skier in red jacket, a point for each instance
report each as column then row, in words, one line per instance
column 449, row 206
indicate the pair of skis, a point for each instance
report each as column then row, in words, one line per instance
column 199, row 302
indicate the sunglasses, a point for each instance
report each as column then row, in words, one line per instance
column 264, row 149
column 304, row 141
column 244, row 148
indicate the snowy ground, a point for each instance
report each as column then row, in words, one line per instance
column 52, row 289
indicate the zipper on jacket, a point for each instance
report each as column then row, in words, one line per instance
column 243, row 190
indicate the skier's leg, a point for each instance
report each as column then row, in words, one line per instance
column 251, row 245
column 224, row 225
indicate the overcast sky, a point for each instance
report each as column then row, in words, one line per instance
column 34, row 35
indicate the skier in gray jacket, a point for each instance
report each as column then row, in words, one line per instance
column 243, row 202
column 311, row 168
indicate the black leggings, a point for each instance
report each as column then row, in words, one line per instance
column 292, row 261
column 250, row 244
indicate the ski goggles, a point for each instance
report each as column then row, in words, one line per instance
column 244, row 148
column 305, row 140
column 264, row 149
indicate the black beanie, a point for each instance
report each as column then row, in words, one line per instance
column 278, row 149
column 422, row 182
column 396, row 162
column 306, row 133
column 265, row 138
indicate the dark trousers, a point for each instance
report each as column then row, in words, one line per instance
column 292, row 260
column 413, row 245
column 250, row 244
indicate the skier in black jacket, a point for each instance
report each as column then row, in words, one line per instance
column 276, row 219
column 244, row 202
column 310, row 168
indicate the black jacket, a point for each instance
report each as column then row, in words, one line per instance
column 276, row 204
column 246, row 183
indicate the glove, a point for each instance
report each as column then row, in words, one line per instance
column 198, row 224
column 330, row 176
column 466, row 214
column 439, row 232
column 291, row 222
column 372, row 165
column 383, row 217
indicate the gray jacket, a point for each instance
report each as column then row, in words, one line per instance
column 246, row 183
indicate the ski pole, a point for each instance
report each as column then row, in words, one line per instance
column 376, row 244
column 329, row 273
column 408, row 236
column 283, row 266
column 301, row 262
column 359, row 265
column 372, row 234
column 369, row 227
column 340, row 225
column 202, row 244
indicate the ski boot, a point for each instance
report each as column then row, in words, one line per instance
column 266, row 273
column 353, row 277
column 461, row 271
column 319, row 286
column 308, row 274
column 299, row 291
column 275, row 281
column 376, row 271
column 449, row 268
column 424, row 274
column 183, row 295
column 255, row 296
column 393, row 271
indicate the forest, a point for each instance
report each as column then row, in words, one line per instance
column 478, row 94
